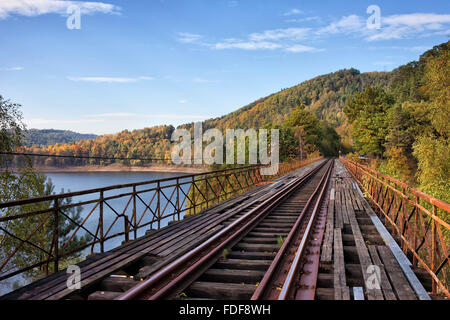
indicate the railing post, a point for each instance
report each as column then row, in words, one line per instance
column 127, row 228
column 56, row 234
column 159, row 204
column 206, row 191
column 178, row 198
column 405, row 220
column 134, row 212
column 193, row 193
column 416, row 217
column 100, row 223
column 433, row 247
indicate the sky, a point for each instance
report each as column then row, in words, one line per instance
column 133, row 64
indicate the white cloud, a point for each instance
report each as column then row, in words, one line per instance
column 417, row 19
column 247, row 45
column 108, row 79
column 40, row 7
column 283, row 39
column 293, row 12
column 347, row 24
column 301, row 48
column 186, row 37
column 278, row 34
column 403, row 26
column 307, row 19
column 400, row 26
column 182, row 101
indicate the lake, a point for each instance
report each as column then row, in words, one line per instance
column 77, row 181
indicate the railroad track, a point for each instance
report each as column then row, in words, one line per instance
column 268, row 250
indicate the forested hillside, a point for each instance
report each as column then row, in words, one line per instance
column 145, row 143
column 324, row 95
column 406, row 126
column 47, row 137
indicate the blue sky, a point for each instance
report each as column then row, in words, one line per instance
column 136, row 64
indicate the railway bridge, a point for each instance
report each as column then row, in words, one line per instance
column 323, row 229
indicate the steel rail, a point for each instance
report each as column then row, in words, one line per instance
column 267, row 281
column 291, row 277
column 184, row 270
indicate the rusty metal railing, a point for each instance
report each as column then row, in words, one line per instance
column 419, row 220
column 31, row 230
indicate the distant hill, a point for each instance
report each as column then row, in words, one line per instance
column 325, row 95
column 48, row 137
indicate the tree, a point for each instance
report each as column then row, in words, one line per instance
column 367, row 113
column 23, row 184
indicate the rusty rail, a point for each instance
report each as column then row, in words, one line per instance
column 415, row 217
column 149, row 204
column 177, row 275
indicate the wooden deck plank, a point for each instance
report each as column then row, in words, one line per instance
column 364, row 257
column 341, row 290
column 384, row 281
column 327, row 247
column 399, row 282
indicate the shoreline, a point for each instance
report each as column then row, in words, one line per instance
column 116, row 168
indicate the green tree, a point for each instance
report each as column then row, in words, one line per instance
column 367, row 113
column 24, row 184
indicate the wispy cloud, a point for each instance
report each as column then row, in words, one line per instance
column 298, row 40
column 307, row 19
column 400, row 26
column 186, row 37
column 12, row 69
column 293, row 12
column 301, row 48
column 279, row 34
column 346, row 25
column 404, row 26
column 108, row 79
column 277, row 39
column 39, row 7
column 246, row 45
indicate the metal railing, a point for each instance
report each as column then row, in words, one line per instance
column 32, row 230
column 419, row 220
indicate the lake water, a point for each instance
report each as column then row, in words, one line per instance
column 77, row 181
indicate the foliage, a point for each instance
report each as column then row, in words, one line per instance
column 325, row 96
column 148, row 143
column 24, row 184
column 43, row 138
column 433, row 156
column 367, row 113
column 11, row 128
column 407, row 123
